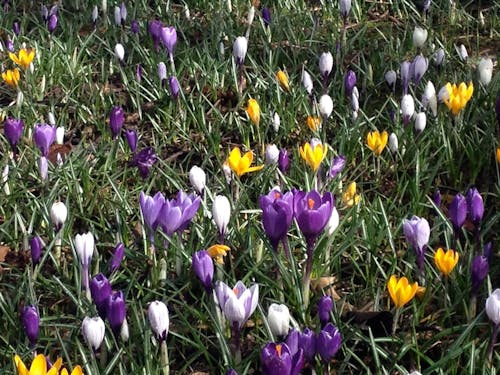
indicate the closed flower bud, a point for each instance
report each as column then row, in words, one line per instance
column 419, row 37
column 203, row 267
column 52, row 23
column 240, row 47
column 479, row 270
column 345, row 7
column 325, row 64
column 325, row 105
column 405, row 72
column 393, row 142
column 493, row 306
column 390, row 77
column 325, row 306
column 418, row 68
column 116, row 260
column 60, row 135
column 117, row 15
column 221, row 213
column 174, row 87
column 159, row 319
column 272, row 154
column 407, row 108
column 307, row 82
column 116, row 120
column 420, row 122
column 131, row 136
column 462, row 52
column 485, row 71
column 95, row 14
column 349, row 82
column 276, row 122
column 333, row 222
column 93, row 331
column 475, row 206
column 31, row 323
column 439, row 57
column 58, row 214
column 429, row 98
column 278, row 318
column 36, row 249
column 100, row 290
column 162, row 72
column 328, row 342
column 198, row 178
column 116, row 311
column 283, row 161
column 119, row 51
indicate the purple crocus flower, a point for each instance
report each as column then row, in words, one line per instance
column 237, row 303
column 457, row 211
column 479, row 270
column 176, row 214
column 307, row 342
column 325, row 306
column 16, row 27
column 475, row 206
column 155, row 28
column 417, row 233
column 174, row 87
column 405, row 75
column 349, row 82
column 328, row 342
column 437, row 198
column 13, row 129
column 151, row 208
column 312, row 212
column 203, row 267
column 100, row 290
column 277, row 215
column 117, row 257
column 418, row 68
column 144, row 160
column 44, row 135
column 31, row 323
column 115, row 311
column 36, row 249
column 116, row 120
column 231, row 371
column 131, row 136
column 338, row 164
column 283, row 160
column 277, row 359
column 134, row 26
column 9, row 44
column 266, row 16
column 169, row 40
column 52, row 23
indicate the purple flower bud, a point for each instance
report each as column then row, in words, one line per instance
column 16, row 27
column 31, row 323
column 307, row 342
column 169, row 39
column 45, row 13
column 457, row 211
column 283, row 161
column 138, row 72
column 266, row 16
column 117, row 258
column 418, row 68
column 52, row 23
column 405, row 75
column 174, row 88
column 36, row 249
column 131, row 136
column 475, row 205
column 479, row 270
column 123, row 13
column 44, row 135
column 100, row 290
column 349, row 82
column 338, row 164
column 328, row 342
column 155, row 28
column 487, row 251
column 134, row 27
column 13, row 129
column 437, row 198
column 277, row 215
column 144, row 160
column 325, row 306
column 203, row 267
column 231, row 372
column 116, row 311
column 43, row 167
column 116, row 119
column 10, row 45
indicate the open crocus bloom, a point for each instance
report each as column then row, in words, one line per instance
column 237, row 303
column 458, row 96
column 38, row 366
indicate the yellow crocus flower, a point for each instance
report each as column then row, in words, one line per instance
column 377, row 141
column 445, row 262
column 283, row 80
column 253, row 111
column 313, row 122
column 76, row 371
column 241, row 164
column 401, row 291
column 217, row 252
column 350, row 197
column 313, row 155
column 11, row 77
column 24, row 57
column 38, row 366
column 458, row 96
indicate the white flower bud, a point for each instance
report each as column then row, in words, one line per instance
column 276, row 122
column 227, row 172
column 325, row 105
column 51, row 118
column 439, row 57
column 84, row 247
column 119, row 51
column 93, row 331
column 420, row 122
column 307, row 82
column 419, row 37
column 272, row 154
column 355, row 99
column 95, row 14
column 240, row 48
column 5, row 178
column 19, row 99
column 159, row 319
column 251, row 15
column 493, row 306
column 118, row 16
column 198, row 178
column 485, row 71
column 221, row 213
column 325, row 64
column 429, row 98
column 393, row 142
column 443, row 94
column 278, row 318
column 407, row 107
column 124, row 333
column 462, row 52
column 60, row 135
column 390, row 78
column 43, row 168
column 58, row 213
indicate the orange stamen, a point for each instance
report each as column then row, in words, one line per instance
column 278, row 350
column 310, row 203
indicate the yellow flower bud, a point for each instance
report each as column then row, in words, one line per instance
column 401, row 291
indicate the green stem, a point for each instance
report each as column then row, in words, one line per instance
column 165, row 366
